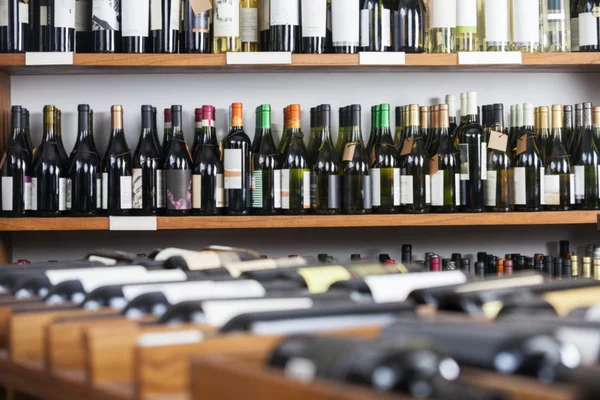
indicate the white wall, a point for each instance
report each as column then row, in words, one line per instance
column 307, row 89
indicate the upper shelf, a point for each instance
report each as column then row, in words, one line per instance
column 14, row 64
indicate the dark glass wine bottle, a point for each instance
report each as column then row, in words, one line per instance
column 313, row 131
column 117, row 182
column 497, row 186
column 165, row 20
column 295, row 171
column 146, row 168
column 345, row 21
column 26, row 129
column 285, row 25
column 197, row 130
column 587, row 163
column 451, row 102
column 61, row 23
column 178, row 169
column 58, row 133
column 106, row 30
column 196, row 30
column 83, row 26
column 414, row 167
column 444, row 168
column 400, row 126
column 266, row 171
column 408, row 26
column 285, row 135
column 168, row 130
column 38, row 25
column 207, row 178
column 559, row 183
column 588, row 26
column 14, row 26
column 314, row 26
column 135, row 18
column 264, row 25
column 544, row 134
column 356, row 177
column 325, row 166
column 528, row 173
column 236, row 165
column 49, row 180
column 568, row 129
column 578, row 126
column 84, row 169
column 16, row 164
column 342, row 139
column 375, row 30
column 385, row 167
column 374, row 135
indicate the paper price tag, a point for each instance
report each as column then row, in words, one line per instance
column 200, row 6
column 498, row 141
column 48, row 58
column 132, row 223
column 490, row 58
column 259, row 58
column 407, row 146
column 379, row 58
column 522, row 144
column 349, row 152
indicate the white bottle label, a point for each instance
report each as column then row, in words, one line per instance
column 579, row 182
column 135, row 16
column 265, row 15
column 125, row 197
column 406, row 189
column 249, row 25
column 346, row 22
column 277, row 188
column 519, row 185
column 386, row 30
column 23, row 13
column 155, row 15
column 106, row 15
column 496, row 21
column 285, row 189
column 314, row 18
column 83, row 15
column 575, row 34
column 220, row 192
column 285, row 12
column 227, row 18
column 3, row 12
column 397, row 199
column 427, row 189
column 571, row 188
column 64, row 14
column 196, row 191
column 306, row 189
column 34, row 196
column 484, row 161
column 69, row 193
column 27, row 195
column 257, row 189
column 136, row 174
column 588, row 29
column 7, row 193
column 457, row 188
column 443, row 13
column 160, row 188
column 542, row 187
column 526, row 17
column 365, row 21
column 175, row 20
column 232, row 165
column 437, row 188
column 376, row 182
column 464, row 161
column 99, row 192
column 552, row 190
column 466, row 16
column 490, row 189
column 43, row 16
column 62, row 194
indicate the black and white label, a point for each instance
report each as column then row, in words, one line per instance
column 137, row 188
column 367, row 196
column 3, row 12
column 7, row 193
column 386, row 29
column 220, row 192
column 196, row 192
column 105, row 15
column 69, row 193
column 249, row 25
column 44, row 15
column 572, row 188
column 588, row 29
column 83, row 15
column 34, row 194
column 443, row 14
column 179, row 189
column 277, row 188
column 346, row 22
column 285, row 189
column 285, row 12
column 135, row 16
column 579, row 182
column 99, row 192
column 396, row 187
column 519, row 186
column 125, row 196
column 437, row 188
column 496, row 21
column 314, row 18
column 463, row 149
column 490, row 189
column 483, row 160
column 457, row 189
column 376, row 180
column 64, row 14
column 542, row 186
column 226, row 19
column 526, row 17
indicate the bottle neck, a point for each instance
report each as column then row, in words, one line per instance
column 147, row 124
column 83, row 126
column 117, row 123
column 264, row 123
column 177, row 124
column 384, row 127
column 17, row 126
column 49, row 125
column 587, row 118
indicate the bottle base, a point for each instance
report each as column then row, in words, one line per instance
column 527, row 209
column 326, row 212
column 444, row 210
column 356, row 212
column 207, row 214
column 231, row 212
column 178, row 213
column 385, row 210
column 259, row 211
column 294, row 212
column 557, row 208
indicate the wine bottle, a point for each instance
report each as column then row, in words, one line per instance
column 375, row 29
column 525, row 20
column 568, row 130
column 26, row 129
column 266, row 170
column 559, row 183
column 473, row 159
column 49, row 180
column 84, row 171
column 168, row 130
column 117, row 182
column 586, row 164
column 226, row 26
column 414, row 167
column 426, row 131
column 498, row 191
column 285, row 136
column 58, row 133
column 15, row 170
column 374, row 135
column 588, row 25
column 496, row 25
column 284, row 25
column 356, row 179
column 38, row 24
column 513, row 130
column 408, row 27
column 544, row 132
column 528, row 173
column 165, row 21
column 196, row 29
column 83, row 26
column 146, row 166
column 135, row 19
column 197, row 130
column 442, row 27
column 314, row 26
column 466, row 26
column 249, row 25
column 61, row 18
column 385, row 167
column 325, row 175
column 575, row 25
column 313, row 131
column 444, row 169
column 342, row 138
column 106, row 30
column 14, row 26
column 399, row 129
column 295, row 172
column 178, row 169
column 451, row 103
column 236, row 165
column 264, row 25
column 345, row 15
column 557, row 26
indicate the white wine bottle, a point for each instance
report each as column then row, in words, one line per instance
column 226, row 26
column 496, row 25
column 442, row 26
column 559, row 183
column 525, row 35
column 466, row 25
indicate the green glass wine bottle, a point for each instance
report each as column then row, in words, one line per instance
column 399, row 131
column 343, row 131
column 444, row 168
column 266, row 192
column 586, row 164
column 528, row 173
column 385, row 167
column 313, row 131
column 374, row 135
column 295, row 172
column 356, row 180
column 498, row 184
column 559, row 184
column 414, row 167
column 544, row 132
column 325, row 181
column 285, row 136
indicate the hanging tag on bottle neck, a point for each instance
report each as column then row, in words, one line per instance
column 349, row 150
column 407, row 146
column 498, row 141
column 434, row 164
column 522, row 144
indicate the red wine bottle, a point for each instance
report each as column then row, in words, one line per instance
column 236, row 165
column 14, row 27
column 314, row 26
column 61, row 24
column 285, row 25
column 164, row 26
column 178, row 169
column 83, row 26
column 168, row 131
column 146, row 165
column 196, row 30
column 135, row 18
column 105, row 26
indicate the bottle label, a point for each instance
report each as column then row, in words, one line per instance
column 365, row 20
column 443, row 13
column 588, row 29
column 155, row 15
column 552, row 190
column 175, row 20
column 437, row 188
column 69, row 193
column 571, row 188
column 314, row 18
column 232, row 165
column 3, row 12
column 306, row 189
column 125, row 198
column 575, row 34
column 207, row 123
column 265, row 15
column 428, row 189
column 200, row 23
column 62, row 194
column 526, row 17
column 490, row 189
column 179, row 189
column 542, row 186
column 160, row 188
column 396, row 188
column 406, row 189
column 285, row 12
column 319, row 279
column 466, row 16
column 376, row 179
column 285, row 189
column 34, row 194
column 23, row 12
column 483, row 160
column 83, row 15
column 249, row 25
column 346, row 21
column 99, row 192
column 105, row 191
column 64, row 14
column 519, row 186
column 220, row 192
column 43, row 18
column 227, row 18
column 7, row 193
column 27, row 194
column 496, row 21
column 314, row 183
column 196, row 192
column 135, row 18
column 277, row 187
column 463, row 149
column 457, row 189
column 333, row 198
column 257, row 189
column 137, row 188
column 386, row 30
column 105, row 15
column 579, row 182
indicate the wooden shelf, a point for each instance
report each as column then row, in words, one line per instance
column 14, row 64
column 310, row 221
